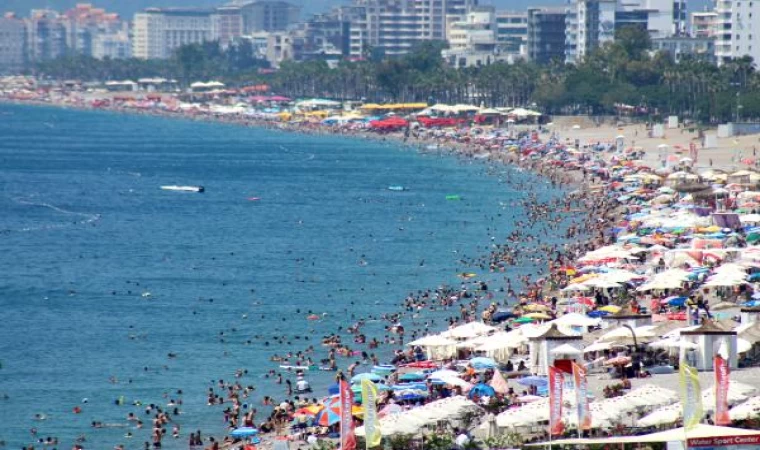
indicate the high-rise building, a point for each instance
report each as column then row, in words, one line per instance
column 701, row 48
column 12, row 44
column 703, row 24
column 738, row 25
column 395, row 26
column 512, row 31
column 661, row 18
column 546, row 34
column 266, row 15
column 84, row 23
column 227, row 24
column 158, row 32
column 472, row 38
column 589, row 24
column 113, row 45
column 46, row 35
column 324, row 36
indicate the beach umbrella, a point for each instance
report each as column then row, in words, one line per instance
column 597, row 314
column 612, row 309
column 333, row 389
column 366, row 376
column 481, row 390
column 482, row 363
column 411, row 376
column 500, row 316
column 523, row 320
column 618, row 361
column 536, row 307
column 677, row 301
column 528, row 398
column 330, row 414
column 244, row 432
column 538, row 316
column 533, row 380
column 309, row 410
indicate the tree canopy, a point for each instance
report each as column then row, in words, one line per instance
column 623, row 72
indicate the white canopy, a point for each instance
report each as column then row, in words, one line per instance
column 566, row 349
column 434, row 340
column 673, row 435
column 469, row 330
column 577, row 320
column 410, row 422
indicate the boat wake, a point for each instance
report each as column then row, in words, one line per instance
column 83, row 218
column 308, row 158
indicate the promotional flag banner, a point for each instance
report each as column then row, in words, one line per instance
column 691, row 396
column 556, row 380
column 581, row 397
column 722, row 374
column 347, row 437
column 371, row 425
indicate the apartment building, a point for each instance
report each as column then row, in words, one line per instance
column 46, row 35
column 395, row 26
column 588, row 25
column 738, row 29
column 546, row 34
column 157, row 32
column 12, row 44
column 512, row 32
column 703, row 24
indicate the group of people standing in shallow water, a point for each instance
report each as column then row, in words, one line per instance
column 533, row 248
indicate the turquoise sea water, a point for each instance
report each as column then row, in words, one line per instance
column 83, row 221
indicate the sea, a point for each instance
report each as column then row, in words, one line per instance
column 116, row 294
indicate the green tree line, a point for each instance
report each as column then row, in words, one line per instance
column 621, row 72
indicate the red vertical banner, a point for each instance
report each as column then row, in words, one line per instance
column 556, row 381
column 722, row 373
column 347, row 436
column 581, row 397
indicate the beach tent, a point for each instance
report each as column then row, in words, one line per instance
column 436, row 346
column 576, row 320
column 469, row 330
column 318, row 103
column 413, row 420
column 679, row 434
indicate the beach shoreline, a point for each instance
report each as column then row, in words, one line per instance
column 569, row 180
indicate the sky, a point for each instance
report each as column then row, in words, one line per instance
column 128, row 7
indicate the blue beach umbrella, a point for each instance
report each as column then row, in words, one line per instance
column 481, row 390
column 366, row 376
column 411, row 376
column 533, row 380
column 333, row 389
column 598, row 314
column 384, row 369
column 244, row 432
column 481, row 362
column 501, row 316
column 677, row 301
